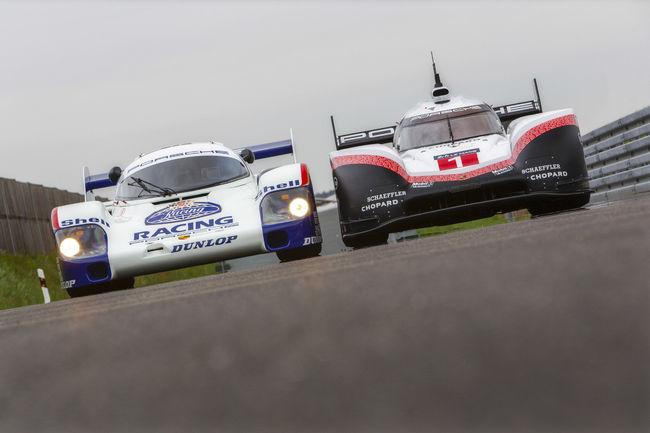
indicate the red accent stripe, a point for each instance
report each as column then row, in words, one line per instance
column 55, row 218
column 304, row 174
column 381, row 161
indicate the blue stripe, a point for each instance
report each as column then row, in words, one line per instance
column 97, row 181
column 267, row 150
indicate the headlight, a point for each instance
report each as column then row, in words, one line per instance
column 288, row 205
column 81, row 241
column 299, row 207
column 70, row 247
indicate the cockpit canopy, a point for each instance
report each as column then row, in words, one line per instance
column 179, row 175
column 447, row 126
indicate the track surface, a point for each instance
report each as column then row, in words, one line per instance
column 536, row 326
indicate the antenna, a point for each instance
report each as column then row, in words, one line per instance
column 438, row 83
column 293, row 150
column 539, row 101
column 336, row 140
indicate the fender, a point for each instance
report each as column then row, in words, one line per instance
column 90, row 212
column 537, row 124
column 289, row 176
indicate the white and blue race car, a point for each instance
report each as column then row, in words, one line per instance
column 185, row 205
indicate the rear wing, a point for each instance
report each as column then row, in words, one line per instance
column 269, row 150
column 506, row 113
column 372, row 136
column 510, row 112
column 96, row 181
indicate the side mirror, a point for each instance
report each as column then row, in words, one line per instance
column 114, row 174
column 247, row 155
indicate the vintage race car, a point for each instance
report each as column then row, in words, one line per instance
column 181, row 206
column 451, row 159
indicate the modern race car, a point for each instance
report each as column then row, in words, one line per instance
column 450, row 159
column 185, row 205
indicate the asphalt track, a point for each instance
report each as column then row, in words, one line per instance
column 535, row 326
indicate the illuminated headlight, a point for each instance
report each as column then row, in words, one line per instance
column 288, row 205
column 299, row 207
column 81, row 241
column 69, row 247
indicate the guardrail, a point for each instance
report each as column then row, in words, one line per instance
column 618, row 157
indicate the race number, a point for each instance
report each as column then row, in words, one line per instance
column 458, row 161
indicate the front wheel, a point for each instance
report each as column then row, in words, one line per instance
column 96, row 289
column 299, row 253
column 558, row 205
column 366, row 241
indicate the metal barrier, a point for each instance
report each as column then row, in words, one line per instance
column 618, row 157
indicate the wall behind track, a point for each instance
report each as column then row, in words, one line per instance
column 25, row 216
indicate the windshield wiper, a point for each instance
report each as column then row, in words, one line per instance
column 143, row 184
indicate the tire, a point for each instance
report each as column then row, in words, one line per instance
column 96, row 289
column 299, row 253
column 558, row 205
column 367, row 241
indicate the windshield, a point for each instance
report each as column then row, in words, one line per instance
column 179, row 175
column 447, row 127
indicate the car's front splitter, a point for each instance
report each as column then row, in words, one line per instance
column 453, row 214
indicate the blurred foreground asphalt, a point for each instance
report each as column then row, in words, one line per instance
column 534, row 326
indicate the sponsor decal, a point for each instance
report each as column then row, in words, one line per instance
column 514, row 108
column 548, row 175
column 420, row 117
column 174, row 156
column 203, row 244
column 422, row 184
column 373, row 133
column 503, row 170
column 182, row 211
column 385, row 199
column 290, row 184
column 459, row 153
column 78, row 221
column 385, row 195
column 462, row 158
column 67, row 284
column 184, row 229
column 311, row 240
column 542, row 172
column 377, row 205
column 182, row 238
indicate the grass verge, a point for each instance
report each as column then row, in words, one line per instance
column 19, row 284
column 484, row 222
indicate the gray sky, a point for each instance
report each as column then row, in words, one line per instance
column 97, row 83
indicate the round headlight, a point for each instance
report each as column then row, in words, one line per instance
column 299, row 207
column 69, row 247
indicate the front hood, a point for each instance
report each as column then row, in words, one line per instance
column 458, row 157
column 169, row 218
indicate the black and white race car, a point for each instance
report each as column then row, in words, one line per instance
column 451, row 159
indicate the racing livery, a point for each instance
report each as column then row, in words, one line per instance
column 181, row 206
column 451, row 159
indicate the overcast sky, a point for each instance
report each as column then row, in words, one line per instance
column 97, row 83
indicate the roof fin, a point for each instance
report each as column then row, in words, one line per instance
column 440, row 93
